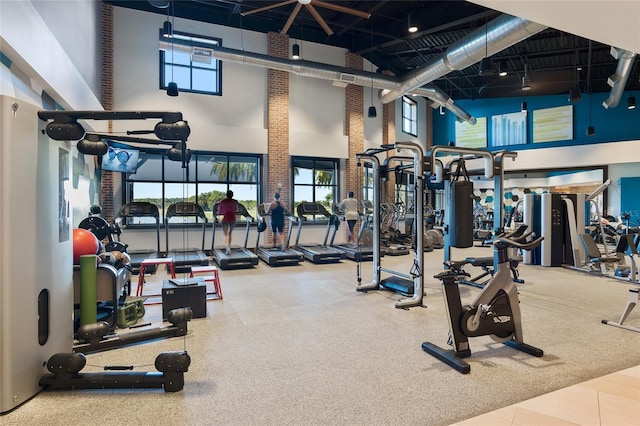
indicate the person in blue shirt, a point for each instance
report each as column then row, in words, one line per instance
column 276, row 210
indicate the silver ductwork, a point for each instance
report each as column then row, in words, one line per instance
column 338, row 75
column 440, row 98
column 618, row 80
column 495, row 36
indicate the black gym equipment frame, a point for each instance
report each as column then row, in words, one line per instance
column 356, row 252
column 185, row 258
column 65, row 373
column 95, row 337
column 141, row 209
column 277, row 256
column 239, row 257
column 495, row 311
column 317, row 253
column 172, row 130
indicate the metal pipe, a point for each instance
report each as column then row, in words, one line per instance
column 418, row 277
column 488, row 164
column 375, row 282
column 323, row 71
column 495, row 36
column 396, row 273
column 618, row 80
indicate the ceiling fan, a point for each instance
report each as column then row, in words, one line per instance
column 310, row 5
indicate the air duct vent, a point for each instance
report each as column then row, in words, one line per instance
column 201, row 55
column 347, row 78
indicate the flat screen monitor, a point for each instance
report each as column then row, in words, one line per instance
column 120, row 160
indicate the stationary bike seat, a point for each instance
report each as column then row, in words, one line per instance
column 480, row 261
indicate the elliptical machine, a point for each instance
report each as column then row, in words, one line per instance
column 495, row 312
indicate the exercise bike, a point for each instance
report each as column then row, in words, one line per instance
column 495, row 312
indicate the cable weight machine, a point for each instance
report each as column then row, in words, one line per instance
column 411, row 284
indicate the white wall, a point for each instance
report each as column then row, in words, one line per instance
column 613, row 22
column 233, row 122
column 317, row 108
column 28, row 41
column 70, row 22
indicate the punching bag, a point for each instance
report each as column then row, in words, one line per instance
column 459, row 208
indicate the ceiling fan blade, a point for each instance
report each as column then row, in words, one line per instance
column 293, row 15
column 342, row 9
column 262, row 9
column 318, row 18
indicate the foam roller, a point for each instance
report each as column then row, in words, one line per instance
column 88, row 289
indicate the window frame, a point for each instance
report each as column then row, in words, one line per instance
column 409, row 116
column 177, row 39
column 197, row 160
column 295, row 164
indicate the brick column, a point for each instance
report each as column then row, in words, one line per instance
column 354, row 98
column 354, row 127
column 278, row 123
column 107, row 178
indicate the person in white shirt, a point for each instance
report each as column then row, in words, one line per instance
column 350, row 208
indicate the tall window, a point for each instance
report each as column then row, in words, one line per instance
column 188, row 61
column 404, row 189
column 314, row 180
column 163, row 182
column 367, row 182
column 409, row 116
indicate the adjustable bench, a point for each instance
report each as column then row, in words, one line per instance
column 596, row 261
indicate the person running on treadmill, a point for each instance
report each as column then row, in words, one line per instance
column 276, row 210
column 350, row 208
column 227, row 208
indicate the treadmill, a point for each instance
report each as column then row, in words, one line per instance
column 317, row 253
column 276, row 256
column 185, row 258
column 141, row 209
column 356, row 252
column 240, row 257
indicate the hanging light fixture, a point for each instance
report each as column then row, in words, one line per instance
column 412, row 27
column 591, row 130
column 502, row 69
column 631, row 102
column 441, row 109
column 167, row 28
column 372, row 113
column 523, row 107
column 486, row 66
column 172, row 87
column 295, row 51
column 526, row 80
column 574, row 92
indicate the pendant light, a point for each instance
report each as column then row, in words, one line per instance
column 172, row 87
column 486, row 66
column 526, row 80
column 574, row 92
column 591, row 130
column 502, row 69
column 295, row 51
column 372, row 113
column 631, row 102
